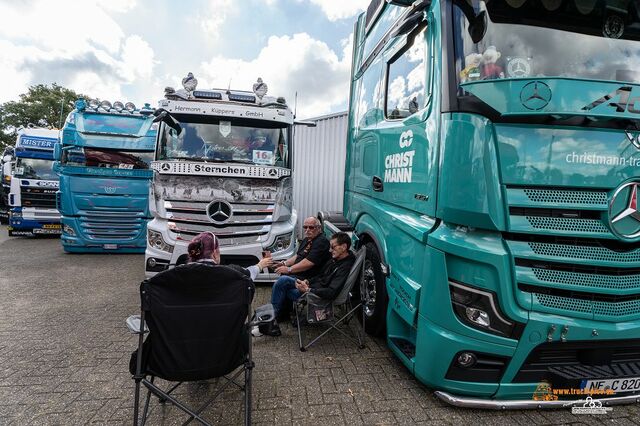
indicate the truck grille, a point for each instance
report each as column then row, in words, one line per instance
column 38, row 197
column 562, row 361
column 248, row 223
column 112, row 224
column 566, row 260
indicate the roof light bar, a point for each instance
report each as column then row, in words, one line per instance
column 241, row 98
column 207, row 95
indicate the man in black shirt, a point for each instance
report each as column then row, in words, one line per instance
column 311, row 256
column 326, row 285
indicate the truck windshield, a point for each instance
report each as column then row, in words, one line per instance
column 253, row 142
column 547, row 38
column 33, row 168
column 107, row 158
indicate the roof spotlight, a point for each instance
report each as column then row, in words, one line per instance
column 118, row 106
column 260, row 88
column 94, row 103
column 189, row 82
column 105, row 105
column 129, row 106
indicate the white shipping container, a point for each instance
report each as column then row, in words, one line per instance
column 319, row 159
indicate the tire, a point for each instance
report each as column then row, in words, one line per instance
column 374, row 292
column 10, row 233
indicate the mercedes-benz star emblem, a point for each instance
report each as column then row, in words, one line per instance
column 165, row 167
column 219, row 211
column 635, row 140
column 624, row 216
column 535, row 95
column 518, row 67
column 273, row 172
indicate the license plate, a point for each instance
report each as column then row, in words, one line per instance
column 52, row 226
column 110, row 246
column 46, row 231
column 630, row 384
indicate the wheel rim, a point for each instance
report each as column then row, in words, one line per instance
column 368, row 288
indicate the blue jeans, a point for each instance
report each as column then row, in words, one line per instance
column 284, row 291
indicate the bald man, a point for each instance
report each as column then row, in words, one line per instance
column 308, row 262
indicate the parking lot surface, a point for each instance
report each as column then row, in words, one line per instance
column 64, row 353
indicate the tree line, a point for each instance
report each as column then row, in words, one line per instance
column 42, row 106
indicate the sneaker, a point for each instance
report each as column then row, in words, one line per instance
column 270, row 329
column 255, row 331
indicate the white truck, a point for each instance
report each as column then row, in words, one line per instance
column 223, row 164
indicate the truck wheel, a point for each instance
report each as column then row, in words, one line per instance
column 374, row 293
column 10, row 233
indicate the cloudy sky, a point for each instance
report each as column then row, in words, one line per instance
column 130, row 50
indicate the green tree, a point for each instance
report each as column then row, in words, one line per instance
column 42, row 105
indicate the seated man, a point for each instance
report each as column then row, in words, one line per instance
column 326, row 285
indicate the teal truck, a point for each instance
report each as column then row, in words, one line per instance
column 103, row 160
column 492, row 172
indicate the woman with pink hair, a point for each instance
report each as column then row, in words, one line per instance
column 205, row 248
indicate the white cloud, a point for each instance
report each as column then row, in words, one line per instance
column 341, row 9
column 138, row 57
column 216, row 13
column 289, row 64
column 75, row 44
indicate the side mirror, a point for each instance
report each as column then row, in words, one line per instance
column 164, row 116
column 57, row 151
column 7, row 159
column 305, row 123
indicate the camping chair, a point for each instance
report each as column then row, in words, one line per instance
column 311, row 309
column 196, row 316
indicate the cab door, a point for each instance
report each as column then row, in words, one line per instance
column 407, row 136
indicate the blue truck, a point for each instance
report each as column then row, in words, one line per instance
column 103, row 160
column 33, row 184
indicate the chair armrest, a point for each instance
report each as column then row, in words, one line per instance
column 133, row 324
column 263, row 315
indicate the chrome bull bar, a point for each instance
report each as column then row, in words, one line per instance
column 524, row 404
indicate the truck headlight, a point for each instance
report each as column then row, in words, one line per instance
column 282, row 242
column 16, row 215
column 479, row 309
column 155, row 240
column 68, row 230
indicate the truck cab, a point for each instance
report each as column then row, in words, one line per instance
column 104, row 159
column 492, row 172
column 223, row 164
column 32, row 196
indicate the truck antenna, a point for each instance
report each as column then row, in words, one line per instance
column 229, row 86
column 295, row 106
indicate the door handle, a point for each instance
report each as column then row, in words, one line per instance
column 377, row 184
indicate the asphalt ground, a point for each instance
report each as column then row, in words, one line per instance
column 64, row 353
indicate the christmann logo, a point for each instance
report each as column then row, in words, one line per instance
column 203, row 168
column 398, row 167
column 186, row 109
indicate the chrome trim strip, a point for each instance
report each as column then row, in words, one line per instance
column 525, row 404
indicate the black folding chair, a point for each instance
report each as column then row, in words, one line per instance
column 197, row 319
column 333, row 314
